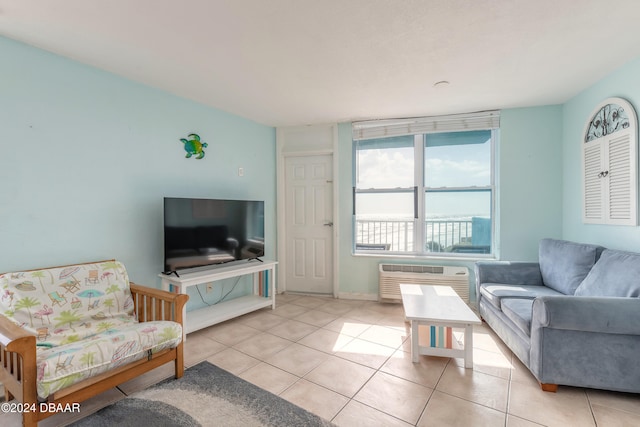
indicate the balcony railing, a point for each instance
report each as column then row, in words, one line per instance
column 448, row 235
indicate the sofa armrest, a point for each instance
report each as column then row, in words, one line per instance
column 157, row 304
column 507, row 273
column 17, row 374
column 12, row 336
column 610, row 315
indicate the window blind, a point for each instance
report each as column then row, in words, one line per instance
column 373, row 129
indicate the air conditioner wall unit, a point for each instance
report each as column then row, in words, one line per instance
column 391, row 275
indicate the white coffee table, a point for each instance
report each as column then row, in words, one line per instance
column 438, row 306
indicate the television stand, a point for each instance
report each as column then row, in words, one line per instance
column 263, row 292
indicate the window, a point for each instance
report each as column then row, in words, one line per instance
column 424, row 192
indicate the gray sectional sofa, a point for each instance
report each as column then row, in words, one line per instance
column 573, row 318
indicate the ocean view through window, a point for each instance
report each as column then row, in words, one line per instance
column 427, row 193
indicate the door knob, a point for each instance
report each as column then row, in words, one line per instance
column 328, row 224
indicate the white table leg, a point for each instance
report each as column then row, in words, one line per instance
column 415, row 349
column 468, row 346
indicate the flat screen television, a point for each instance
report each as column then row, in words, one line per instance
column 205, row 232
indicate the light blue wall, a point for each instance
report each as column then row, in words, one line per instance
column 622, row 83
column 529, row 183
column 86, row 158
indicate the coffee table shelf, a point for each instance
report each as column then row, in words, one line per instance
column 438, row 306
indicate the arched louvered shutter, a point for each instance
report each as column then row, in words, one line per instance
column 610, row 164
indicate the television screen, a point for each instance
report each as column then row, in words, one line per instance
column 202, row 232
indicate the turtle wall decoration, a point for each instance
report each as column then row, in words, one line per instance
column 193, row 146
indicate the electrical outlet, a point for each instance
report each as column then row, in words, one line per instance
column 209, row 287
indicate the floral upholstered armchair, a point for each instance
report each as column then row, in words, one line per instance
column 68, row 333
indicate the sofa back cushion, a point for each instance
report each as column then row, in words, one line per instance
column 65, row 304
column 616, row 274
column 564, row 265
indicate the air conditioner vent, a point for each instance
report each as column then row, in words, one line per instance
column 391, row 275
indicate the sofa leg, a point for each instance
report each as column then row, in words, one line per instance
column 549, row 387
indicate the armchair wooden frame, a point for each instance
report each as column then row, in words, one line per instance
column 18, row 357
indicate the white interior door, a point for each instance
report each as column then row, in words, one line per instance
column 309, row 224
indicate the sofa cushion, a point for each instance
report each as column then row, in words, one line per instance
column 519, row 310
column 64, row 304
column 64, row 365
column 495, row 292
column 616, row 274
column 564, row 265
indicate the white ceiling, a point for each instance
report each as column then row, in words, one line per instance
column 295, row 62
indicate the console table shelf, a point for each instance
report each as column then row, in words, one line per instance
column 216, row 313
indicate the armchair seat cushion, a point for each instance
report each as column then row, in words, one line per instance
column 64, row 365
column 495, row 292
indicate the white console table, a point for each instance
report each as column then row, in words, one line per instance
column 207, row 316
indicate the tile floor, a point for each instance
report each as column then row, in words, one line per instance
column 349, row 362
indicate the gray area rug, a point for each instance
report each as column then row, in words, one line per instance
column 205, row 396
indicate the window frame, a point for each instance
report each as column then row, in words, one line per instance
column 421, row 190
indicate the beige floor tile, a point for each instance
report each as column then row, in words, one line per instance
column 335, row 307
column 198, row 347
column 474, row 386
column 386, row 309
column 521, row 373
column 340, row 375
column 487, row 362
column 365, row 315
column 297, row 359
column 607, row 416
column 395, row 322
column 513, row 421
column 621, row 401
column 383, row 335
column 315, row 399
column 262, row 346
column 230, row 332
column 324, row 340
column 356, row 414
column 316, row 318
column 354, row 302
column 262, row 320
column 331, row 360
column 292, row 330
column 269, row 377
column 446, row 410
column 290, row 311
column 426, row 372
column 485, row 339
column 285, row 298
column 346, row 326
column 568, row 407
column 311, row 302
column 148, row 379
column 233, row 361
column 365, row 353
column 395, row 396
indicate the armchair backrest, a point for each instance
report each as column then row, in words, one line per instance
column 60, row 305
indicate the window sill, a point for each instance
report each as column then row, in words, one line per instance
column 424, row 257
